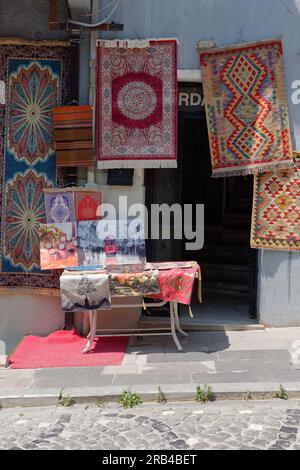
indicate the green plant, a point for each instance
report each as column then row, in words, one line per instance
column 99, row 404
column 65, row 400
column 161, row 397
column 248, row 396
column 204, row 395
column 282, row 393
column 130, row 399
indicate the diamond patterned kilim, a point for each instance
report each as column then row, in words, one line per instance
column 246, row 108
column 276, row 209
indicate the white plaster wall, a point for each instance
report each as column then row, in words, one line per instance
column 26, row 315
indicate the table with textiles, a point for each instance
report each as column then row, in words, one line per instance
column 91, row 289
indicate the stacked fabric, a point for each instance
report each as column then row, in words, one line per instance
column 73, row 131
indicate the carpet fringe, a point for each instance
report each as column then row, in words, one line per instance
column 139, row 164
column 219, row 173
column 29, row 291
column 12, row 41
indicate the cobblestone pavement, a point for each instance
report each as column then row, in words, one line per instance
column 185, row 426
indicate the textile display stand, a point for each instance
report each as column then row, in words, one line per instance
column 175, row 325
column 92, row 290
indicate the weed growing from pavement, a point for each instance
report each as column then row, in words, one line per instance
column 161, row 397
column 99, row 404
column 282, row 393
column 204, row 395
column 130, row 399
column 248, row 396
column 65, row 400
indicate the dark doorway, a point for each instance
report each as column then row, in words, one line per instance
column 228, row 264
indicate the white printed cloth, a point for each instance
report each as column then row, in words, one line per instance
column 85, row 291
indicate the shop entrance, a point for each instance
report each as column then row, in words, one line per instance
column 228, row 264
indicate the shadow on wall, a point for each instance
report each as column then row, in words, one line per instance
column 273, row 262
column 22, row 315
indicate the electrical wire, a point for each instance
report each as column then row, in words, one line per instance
column 102, row 9
column 95, row 25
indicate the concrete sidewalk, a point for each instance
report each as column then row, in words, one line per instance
column 233, row 363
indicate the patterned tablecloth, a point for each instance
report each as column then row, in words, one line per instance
column 92, row 290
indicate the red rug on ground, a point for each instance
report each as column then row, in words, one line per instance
column 64, row 349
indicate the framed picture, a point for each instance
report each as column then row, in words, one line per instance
column 111, row 243
column 58, row 246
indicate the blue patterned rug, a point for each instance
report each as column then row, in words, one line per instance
column 36, row 79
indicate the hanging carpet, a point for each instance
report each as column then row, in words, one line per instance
column 36, row 77
column 246, row 108
column 137, row 104
column 276, row 209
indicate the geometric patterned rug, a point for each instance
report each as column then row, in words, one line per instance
column 246, row 108
column 137, row 104
column 276, row 209
column 36, row 79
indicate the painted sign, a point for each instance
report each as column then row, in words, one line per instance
column 191, row 98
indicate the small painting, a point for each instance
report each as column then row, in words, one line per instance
column 111, row 242
column 58, row 246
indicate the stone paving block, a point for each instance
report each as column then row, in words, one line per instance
column 80, row 430
column 157, row 377
column 285, row 375
column 267, row 355
column 182, row 357
column 231, row 377
column 76, row 381
column 69, row 372
column 250, row 365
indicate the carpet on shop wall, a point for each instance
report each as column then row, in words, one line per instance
column 276, row 209
column 246, row 108
column 137, row 104
column 37, row 79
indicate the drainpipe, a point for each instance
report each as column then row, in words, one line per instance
column 95, row 6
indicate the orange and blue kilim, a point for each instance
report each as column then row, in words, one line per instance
column 276, row 209
column 246, row 108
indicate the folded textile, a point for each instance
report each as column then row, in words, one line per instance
column 85, row 291
column 177, row 284
column 134, row 284
column 127, row 268
column 73, row 130
column 170, row 265
column 83, row 268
